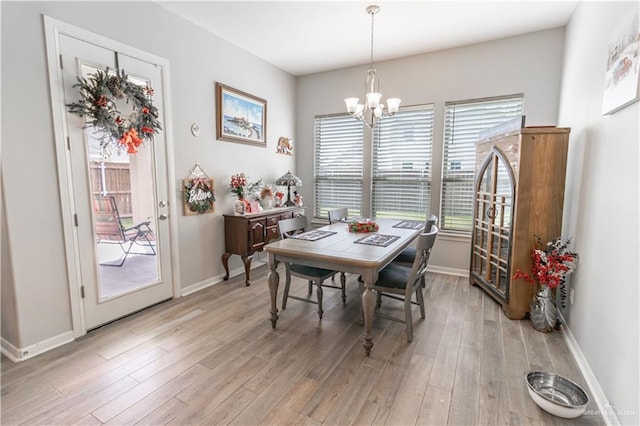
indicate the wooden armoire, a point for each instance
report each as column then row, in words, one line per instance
column 519, row 193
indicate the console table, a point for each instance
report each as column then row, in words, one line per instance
column 246, row 234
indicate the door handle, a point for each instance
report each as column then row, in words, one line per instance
column 162, row 204
column 163, row 217
column 491, row 212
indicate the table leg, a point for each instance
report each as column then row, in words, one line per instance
column 274, row 280
column 369, row 297
column 225, row 263
column 247, row 269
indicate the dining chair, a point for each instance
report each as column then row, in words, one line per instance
column 400, row 282
column 336, row 216
column 407, row 255
column 315, row 276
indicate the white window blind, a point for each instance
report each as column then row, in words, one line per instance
column 401, row 175
column 463, row 122
column 338, row 164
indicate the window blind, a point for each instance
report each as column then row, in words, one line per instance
column 463, row 123
column 401, row 175
column 338, row 165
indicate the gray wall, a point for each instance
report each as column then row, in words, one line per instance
column 33, row 249
column 602, row 209
column 529, row 64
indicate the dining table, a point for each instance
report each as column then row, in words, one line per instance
column 336, row 248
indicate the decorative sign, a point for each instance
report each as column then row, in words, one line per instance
column 198, row 192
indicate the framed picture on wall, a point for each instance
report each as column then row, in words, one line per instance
column 240, row 117
column 622, row 77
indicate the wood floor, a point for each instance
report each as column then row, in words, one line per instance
column 213, row 358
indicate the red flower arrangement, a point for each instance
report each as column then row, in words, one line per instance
column 238, row 184
column 552, row 265
column 363, row 226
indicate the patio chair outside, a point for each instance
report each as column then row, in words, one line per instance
column 109, row 229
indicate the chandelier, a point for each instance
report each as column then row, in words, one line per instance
column 372, row 109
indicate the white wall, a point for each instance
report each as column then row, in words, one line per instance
column 602, row 209
column 529, row 64
column 197, row 59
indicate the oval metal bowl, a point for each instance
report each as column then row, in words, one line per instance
column 556, row 394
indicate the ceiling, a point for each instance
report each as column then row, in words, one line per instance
column 305, row 37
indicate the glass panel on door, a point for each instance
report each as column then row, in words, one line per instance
column 123, row 202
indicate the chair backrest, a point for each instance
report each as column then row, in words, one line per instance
column 107, row 219
column 338, row 214
column 297, row 225
column 433, row 220
column 424, row 244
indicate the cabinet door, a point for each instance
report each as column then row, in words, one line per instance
column 492, row 223
column 256, row 234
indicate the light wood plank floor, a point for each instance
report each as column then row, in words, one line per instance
column 213, row 358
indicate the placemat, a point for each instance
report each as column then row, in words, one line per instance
column 314, row 235
column 409, row 224
column 377, row 240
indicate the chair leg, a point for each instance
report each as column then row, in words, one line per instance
column 310, row 288
column 319, row 295
column 343, row 284
column 124, row 258
column 285, row 296
column 408, row 318
column 421, row 301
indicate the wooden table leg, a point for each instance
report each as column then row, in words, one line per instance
column 274, row 280
column 225, row 263
column 247, row 269
column 369, row 297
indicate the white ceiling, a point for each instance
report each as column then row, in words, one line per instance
column 305, row 37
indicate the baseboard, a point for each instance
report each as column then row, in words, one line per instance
column 604, row 407
column 256, row 263
column 448, row 271
column 201, row 285
column 21, row 354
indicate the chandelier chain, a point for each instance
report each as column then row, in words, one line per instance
column 372, row 18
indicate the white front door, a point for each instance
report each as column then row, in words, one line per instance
column 118, row 275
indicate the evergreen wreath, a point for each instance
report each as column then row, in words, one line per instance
column 99, row 93
column 199, row 195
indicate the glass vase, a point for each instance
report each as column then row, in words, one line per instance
column 543, row 313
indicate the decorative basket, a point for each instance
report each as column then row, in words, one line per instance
column 363, row 226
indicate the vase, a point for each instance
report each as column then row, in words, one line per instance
column 240, row 206
column 543, row 313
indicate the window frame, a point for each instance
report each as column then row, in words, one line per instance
column 456, row 204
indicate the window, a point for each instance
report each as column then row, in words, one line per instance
column 338, row 165
column 463, row 122
column 401, row 175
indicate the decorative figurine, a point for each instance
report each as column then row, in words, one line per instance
column 297, row 199
column 278, row 199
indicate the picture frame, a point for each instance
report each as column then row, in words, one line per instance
column 240, row 117
column 622, row 75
